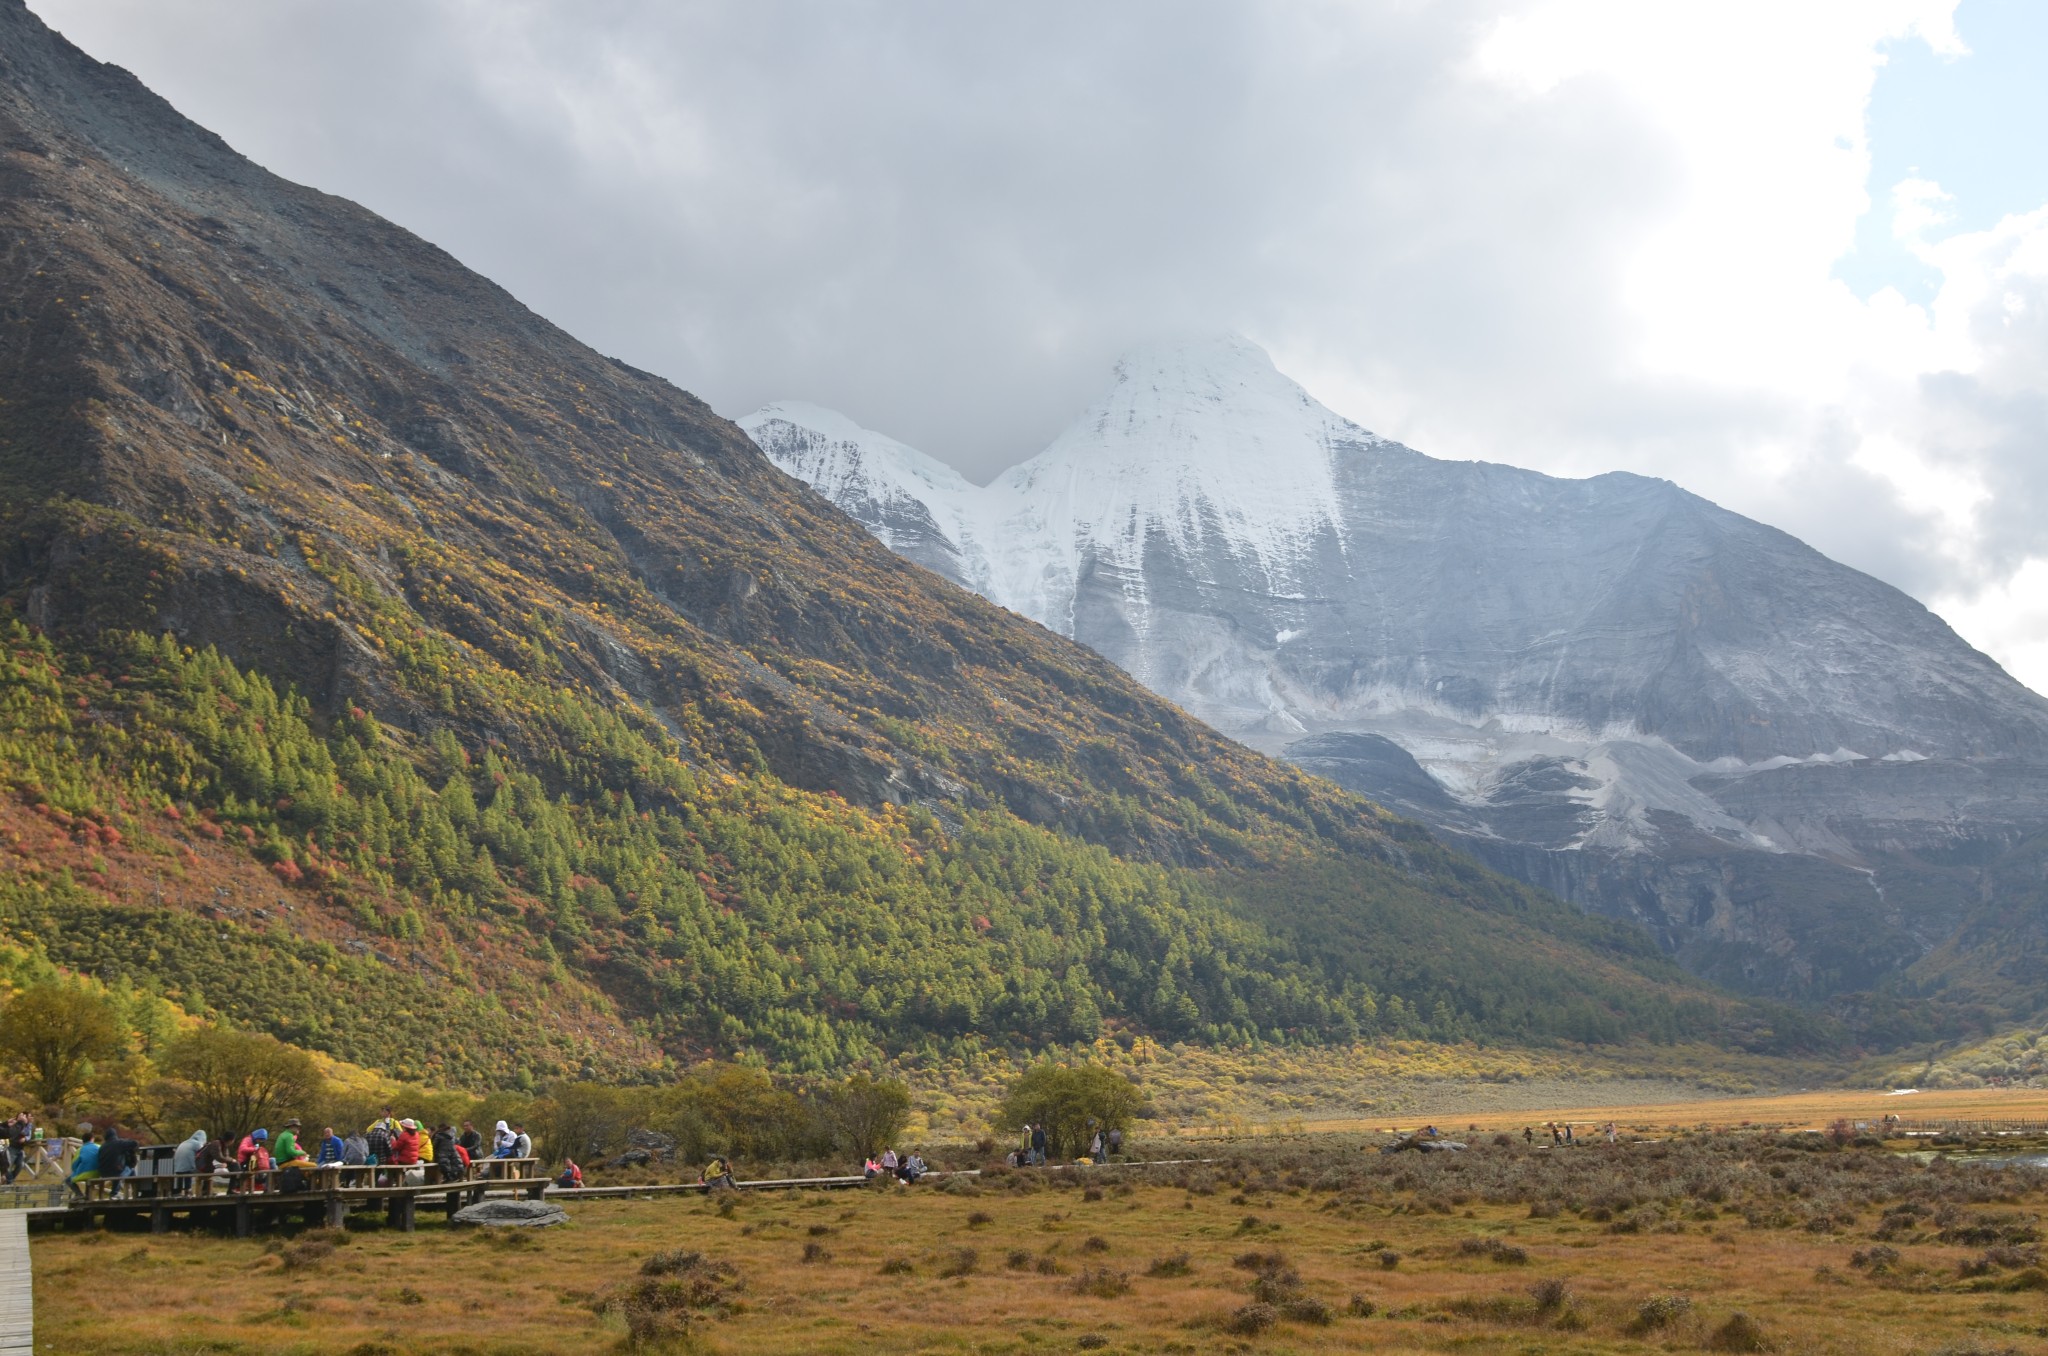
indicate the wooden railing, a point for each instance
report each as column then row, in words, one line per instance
column 319, row 1178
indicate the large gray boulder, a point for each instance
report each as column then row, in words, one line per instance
column 518, row 1214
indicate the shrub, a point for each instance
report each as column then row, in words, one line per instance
column 980, row 1219
column 1173, row 1264
column 897, row 1266
column 961, row 1262
column 1306, row 1309
column 1251, row 1320
column 1658, row 1312
column 1361, row 1307
column 1389, row 1259
column 815, row 1253
column 1551, row 1294
column 1095, row 1243
column 1101, row 1282
column 1739, row 1333
column 306, row 1253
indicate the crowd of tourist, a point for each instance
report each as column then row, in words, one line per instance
column 257, row 1160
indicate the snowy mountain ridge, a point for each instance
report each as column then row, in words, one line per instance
column 1608, row 686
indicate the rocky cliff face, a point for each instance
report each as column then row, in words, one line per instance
column 1609, row 687
column 259, row 416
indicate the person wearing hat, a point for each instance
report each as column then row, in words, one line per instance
column 287, row 1153
column 405, row 1145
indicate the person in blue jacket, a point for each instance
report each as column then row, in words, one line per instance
column 86, row 1166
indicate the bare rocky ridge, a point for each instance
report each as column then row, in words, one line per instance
column 244, row 411
column 1787, row 770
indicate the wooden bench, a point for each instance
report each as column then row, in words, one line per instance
column 504, row 1169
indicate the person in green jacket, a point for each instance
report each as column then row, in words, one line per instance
column 286, row 1151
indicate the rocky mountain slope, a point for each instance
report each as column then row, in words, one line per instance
column 364, row 623
column 1609, row 687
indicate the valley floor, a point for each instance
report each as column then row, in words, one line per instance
column 1311, row 1246
column 1209, row 1091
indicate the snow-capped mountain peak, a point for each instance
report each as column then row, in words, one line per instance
column 1608, row 686
column 1203, row 442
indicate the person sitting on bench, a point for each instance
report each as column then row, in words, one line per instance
column 185, row 1162
column 288, row 1153
column 85, row 1166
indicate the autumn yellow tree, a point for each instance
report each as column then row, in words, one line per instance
column 52, row 1034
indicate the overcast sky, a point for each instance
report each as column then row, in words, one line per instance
column 1792, row 254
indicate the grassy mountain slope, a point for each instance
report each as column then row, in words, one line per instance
column 516, row 676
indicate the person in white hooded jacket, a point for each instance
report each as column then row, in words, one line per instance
column 185, row 1159
column 503, row 1141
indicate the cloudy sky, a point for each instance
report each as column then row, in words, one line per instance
column 1792, row 254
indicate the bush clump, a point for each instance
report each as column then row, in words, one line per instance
column 1173, row 1264
column 1739, row 1333
column 1307, row 1309
column 1660, row 1312
column 1101, row 1282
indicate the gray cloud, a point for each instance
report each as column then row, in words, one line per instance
column 946, row 218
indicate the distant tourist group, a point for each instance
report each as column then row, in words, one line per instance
column 1031, row 1146
column 904, row 1167
column 1562, row 1133
column 202, row 1163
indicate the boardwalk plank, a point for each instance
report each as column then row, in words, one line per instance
column 17, row 1286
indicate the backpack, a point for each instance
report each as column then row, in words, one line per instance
column 291, row 1180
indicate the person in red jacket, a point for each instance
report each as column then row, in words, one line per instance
column 405, row 1145
column 253, row 1156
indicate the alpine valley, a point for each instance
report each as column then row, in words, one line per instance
column 1801, row 781
column 382, row 668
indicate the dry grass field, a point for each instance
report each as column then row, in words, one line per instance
column 1786, row 1111
column 1721, row 1242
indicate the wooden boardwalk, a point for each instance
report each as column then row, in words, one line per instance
column 248, row 1211
column 17, row 1290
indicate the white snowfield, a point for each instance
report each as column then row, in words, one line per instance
column 1573, row 662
